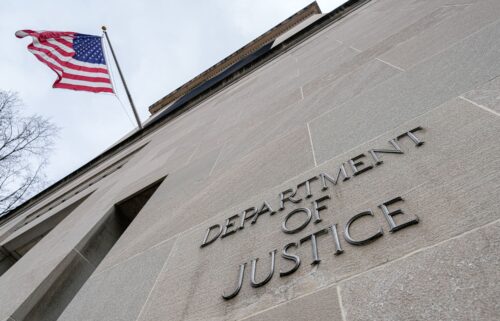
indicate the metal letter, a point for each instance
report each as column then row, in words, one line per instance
column 255, row 284
column 396, row 150
column 317, row 208
column 335, row 234
column 244, row 216
column 354, row 165
column 369, row 239
column 412, row 136
column 264, row 209
column 389, row 215
column 307, row 184
column 229, row 223
column 291, row 257
column 290, row 198
column 325, row 177
column 302, row 226
column 205, row 242
column 314, row 244
column 238, row 287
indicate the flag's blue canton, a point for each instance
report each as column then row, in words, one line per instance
column 88, row 49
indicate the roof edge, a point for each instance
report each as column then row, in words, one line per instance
column 329, row 18
column 311, row 9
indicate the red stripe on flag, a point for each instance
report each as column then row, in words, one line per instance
column 65, row 42
column 85, row 88
column 86, row 78
column 57, row 48
column 26, row 31
column 47, row 34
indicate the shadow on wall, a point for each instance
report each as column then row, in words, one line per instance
column 80, row 264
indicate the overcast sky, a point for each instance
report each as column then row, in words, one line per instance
column 160, row 46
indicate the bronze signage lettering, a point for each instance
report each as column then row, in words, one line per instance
column 299, row 218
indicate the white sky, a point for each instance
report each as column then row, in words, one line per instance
column 160, row 46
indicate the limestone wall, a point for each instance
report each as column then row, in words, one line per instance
column 425, row 245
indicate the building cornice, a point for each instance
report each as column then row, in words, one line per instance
column 238, row 55
column 253, row 61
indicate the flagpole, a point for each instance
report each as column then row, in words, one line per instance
column 123, row 79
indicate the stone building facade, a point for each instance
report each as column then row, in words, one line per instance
column 346, row 169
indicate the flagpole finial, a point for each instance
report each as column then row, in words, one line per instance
column 103, row 28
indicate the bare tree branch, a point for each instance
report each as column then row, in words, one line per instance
column 25, row 143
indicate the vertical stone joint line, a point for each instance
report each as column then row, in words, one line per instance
column 312, row 145
column 341, row 306
column 217, row 159
column 301, row 93
column 156, row 280
column 192, row 154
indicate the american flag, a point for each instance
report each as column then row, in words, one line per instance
column 77, row 59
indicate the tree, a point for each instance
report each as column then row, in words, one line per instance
column 25, row 143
